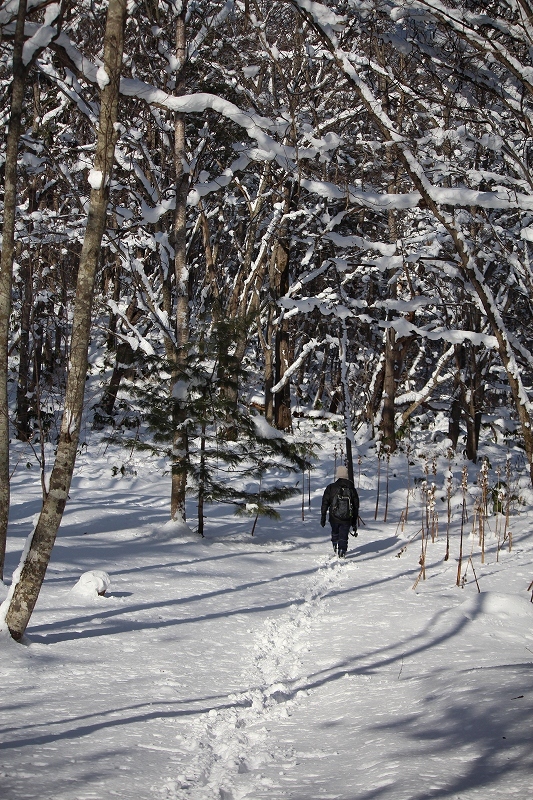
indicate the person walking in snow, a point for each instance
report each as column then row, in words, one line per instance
column 342, row 502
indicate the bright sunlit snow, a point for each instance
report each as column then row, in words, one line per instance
column 262, row 667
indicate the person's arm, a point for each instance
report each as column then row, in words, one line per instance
column 355, row 513
column 326, row 501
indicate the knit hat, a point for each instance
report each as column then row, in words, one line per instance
column 341, row 472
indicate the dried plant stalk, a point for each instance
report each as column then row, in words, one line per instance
column 387, row 485
column 464, row 486
column 379, row 477
column 449, row 479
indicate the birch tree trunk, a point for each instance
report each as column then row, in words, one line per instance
column 25, row 590
column 6, row 264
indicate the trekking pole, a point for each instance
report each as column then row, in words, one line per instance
column 379, row 476
column 303, row 495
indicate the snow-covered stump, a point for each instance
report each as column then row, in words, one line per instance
column 91, row 585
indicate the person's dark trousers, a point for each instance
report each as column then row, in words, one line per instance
column 339, row 536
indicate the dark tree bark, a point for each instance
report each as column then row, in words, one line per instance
column 388, row 429
column 180, row 439
column 123, row 361
column 279, row 285
column 23, row 383
column 6, row 263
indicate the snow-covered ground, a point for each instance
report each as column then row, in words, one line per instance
column 238, row 667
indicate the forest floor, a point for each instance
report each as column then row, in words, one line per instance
column 259, row 667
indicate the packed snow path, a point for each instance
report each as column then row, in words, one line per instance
column 236, row 668
column 231, row 746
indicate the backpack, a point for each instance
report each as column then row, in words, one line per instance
column 341, row 508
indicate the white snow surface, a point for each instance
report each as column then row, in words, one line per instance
column 102, row 78
column 91, row 585
column 96, row 179
column 237, row 667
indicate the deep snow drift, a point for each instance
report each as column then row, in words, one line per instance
column 238, row 667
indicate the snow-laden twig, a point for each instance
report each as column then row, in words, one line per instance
column 311, row 345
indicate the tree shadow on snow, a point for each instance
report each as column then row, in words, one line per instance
column 68, row 727
column 125, row 625
column 469, row 730
column 478, row 731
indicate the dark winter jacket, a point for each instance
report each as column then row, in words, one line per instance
column 329, row 496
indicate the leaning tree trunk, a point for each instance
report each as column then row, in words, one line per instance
column 25, row 590
column 6, row 264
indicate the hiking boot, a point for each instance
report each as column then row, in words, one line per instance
column 334, row 548
column 342, row 553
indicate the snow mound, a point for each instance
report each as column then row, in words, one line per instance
column 504, row 607
column 91, row 585
column 173, row 529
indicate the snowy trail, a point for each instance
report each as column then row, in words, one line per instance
column 229, row 746
column 242, row 668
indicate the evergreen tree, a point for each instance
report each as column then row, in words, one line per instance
column 234, row 455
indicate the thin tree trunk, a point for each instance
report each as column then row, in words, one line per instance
column 124, row 356
column 268, row 372
column 243, row 302
column 454, row 422
column 201, row 483
column 23, row 383
column 180, row 438
column 6, row 264
column 279, row 285
column 347, row 400
column 389, row 391
column 282, row 399
column 25, row 590
column 391, row 374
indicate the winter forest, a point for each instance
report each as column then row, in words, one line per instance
column 244, row 242
column 219, row 217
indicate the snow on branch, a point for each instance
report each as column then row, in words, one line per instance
column 417, row 398
column 473, row 27
column 216, row 20
column 325, row 17
column 44, row 34
column 134, row 341
column 324, row 306
column 403, row 327
column 254, row 125
column 260, row 129
column 308, row 276
column 363, row 244
column 311, row 345
column 456, row 196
